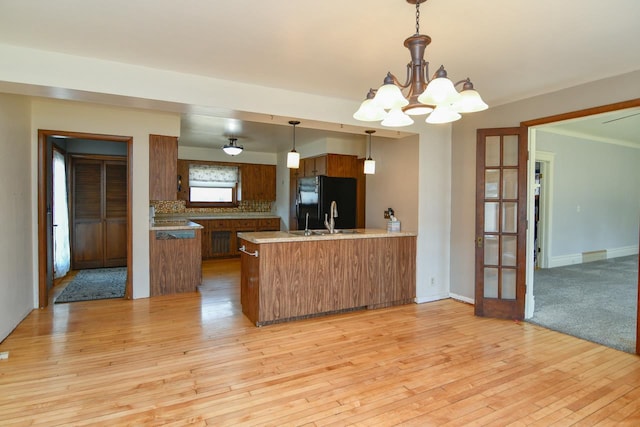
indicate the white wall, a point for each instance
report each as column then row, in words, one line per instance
column 602, row 92
column 90, row 118
column 395, row 183
column 16, row 254
column 596, row 195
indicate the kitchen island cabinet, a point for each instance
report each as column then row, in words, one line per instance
column 286, row 276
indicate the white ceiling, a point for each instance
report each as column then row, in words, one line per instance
column 510, row 49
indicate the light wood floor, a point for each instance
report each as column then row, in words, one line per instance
column 195, row 358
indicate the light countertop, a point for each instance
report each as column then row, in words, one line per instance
column 298, row 236
column 230, row 215
column 174, row 224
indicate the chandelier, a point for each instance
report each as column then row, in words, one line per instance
column 436, row 96
column 231, row 148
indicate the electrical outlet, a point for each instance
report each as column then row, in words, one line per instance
column 4, row 355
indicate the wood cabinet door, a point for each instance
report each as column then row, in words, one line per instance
column 258, row 182
column 308, row 167
column 163, row 167
column 341, row 166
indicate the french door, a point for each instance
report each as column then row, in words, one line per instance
column 501, row 216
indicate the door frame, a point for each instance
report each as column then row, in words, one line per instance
column 531, row 124
column 44, row 235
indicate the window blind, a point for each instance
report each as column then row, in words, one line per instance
column 218, row 176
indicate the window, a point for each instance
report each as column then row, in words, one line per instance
column 212, row 184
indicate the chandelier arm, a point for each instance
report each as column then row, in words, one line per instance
column 409, row 77
column 425, row 65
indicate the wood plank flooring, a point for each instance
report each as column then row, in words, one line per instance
column 195, row 359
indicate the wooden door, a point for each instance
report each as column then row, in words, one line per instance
column 500, row 265
column 99, row 213
column 87, row 248
column 115, row 214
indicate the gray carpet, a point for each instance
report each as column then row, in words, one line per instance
column 96, row 283
column 595, row 301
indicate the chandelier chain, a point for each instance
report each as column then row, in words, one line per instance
column 417, row 17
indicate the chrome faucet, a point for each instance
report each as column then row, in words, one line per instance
column 307, row 232
column 330, row 224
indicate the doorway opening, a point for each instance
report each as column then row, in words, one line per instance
column 46, row 142
column 543, row 255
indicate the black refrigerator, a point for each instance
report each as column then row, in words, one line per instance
column 314, row 197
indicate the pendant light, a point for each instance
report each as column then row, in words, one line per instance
column 293, row 157
column 370, row 164
column 231, row 148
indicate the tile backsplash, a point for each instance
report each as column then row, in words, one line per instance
column 179, row 206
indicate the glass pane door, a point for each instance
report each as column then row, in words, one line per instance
column 501, row 222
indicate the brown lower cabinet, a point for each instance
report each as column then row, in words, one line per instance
column 219, row 236
column 175, row 265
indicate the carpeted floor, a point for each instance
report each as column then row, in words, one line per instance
column 96, row 283
column 596, row 301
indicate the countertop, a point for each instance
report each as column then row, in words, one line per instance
column 231, row 215
column 173, row 224
column 296, row 236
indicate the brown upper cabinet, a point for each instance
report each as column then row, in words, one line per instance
column 163, row 167
column 258, row 182
column 338, row 165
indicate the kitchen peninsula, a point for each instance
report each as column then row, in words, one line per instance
column 289, row 275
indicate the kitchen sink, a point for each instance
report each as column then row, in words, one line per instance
column 298, row 233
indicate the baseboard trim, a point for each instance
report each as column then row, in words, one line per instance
column 624, row 251
column 421, row 300
column 462, row 298
column 562, row 260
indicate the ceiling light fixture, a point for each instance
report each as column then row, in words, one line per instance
column 370, row 164
column 437, row 96
column 293, row 157
column 231, row 148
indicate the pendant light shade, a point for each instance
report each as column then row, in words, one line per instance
column 231, row 148
column 370, row 164
column 293, row 157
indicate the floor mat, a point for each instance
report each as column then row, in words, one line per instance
column 96, row 283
